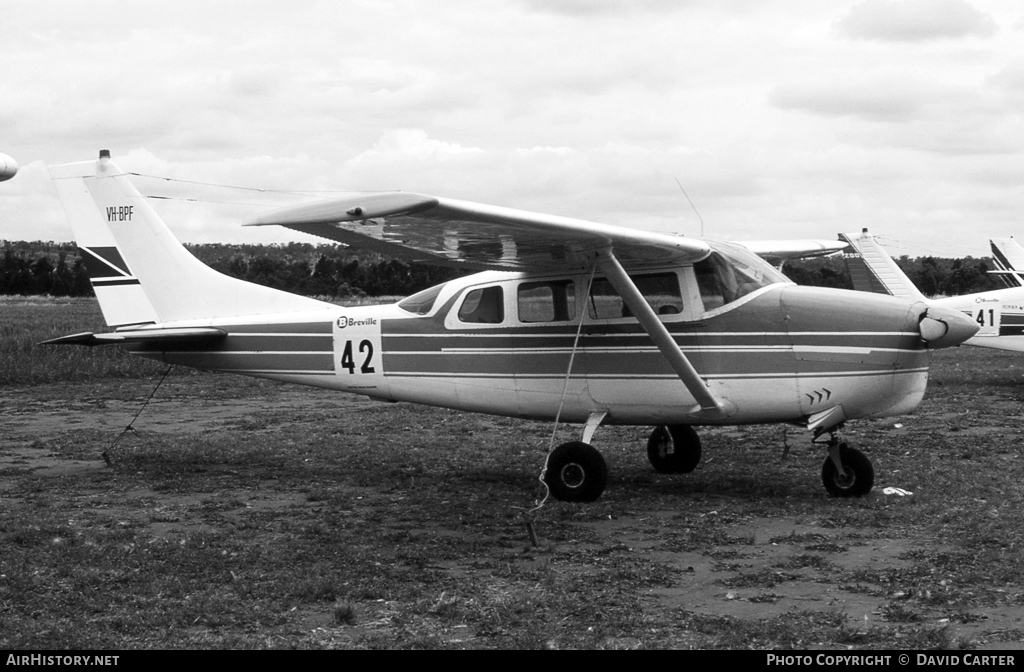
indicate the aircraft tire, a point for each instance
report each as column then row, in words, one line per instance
column 576, row 472
column 674, row 449
column 860, row 475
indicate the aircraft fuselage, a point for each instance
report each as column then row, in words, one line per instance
column 999, row 315
column 780, row 354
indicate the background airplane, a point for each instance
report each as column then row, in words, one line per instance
column 8, row 167
column 568, row 320
column 999, row 314
column 778, row 252
column 1008, row 256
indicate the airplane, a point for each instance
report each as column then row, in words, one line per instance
column 999, row 313
column 566, row 320
column 1008, row 256
column 779, row 252
column 8, row 167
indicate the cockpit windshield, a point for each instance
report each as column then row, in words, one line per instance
column 731, row 272
column 421, row 303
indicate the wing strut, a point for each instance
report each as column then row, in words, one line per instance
column 710, row 407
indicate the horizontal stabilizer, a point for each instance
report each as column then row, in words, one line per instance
column 151, row 336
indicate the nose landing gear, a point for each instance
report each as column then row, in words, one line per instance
column 673, row 449
column 846, row 472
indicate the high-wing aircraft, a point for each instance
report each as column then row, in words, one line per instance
column 999, row 314
column 8, row 167
column 567, row 320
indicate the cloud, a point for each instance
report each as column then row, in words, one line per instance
column 603, row 7
column 1010, row 78
column 915, row 20
column 412, row 144
column 880, row 98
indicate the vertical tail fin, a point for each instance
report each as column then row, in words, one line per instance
column 1008, row 256
column 140, row 272
column 873, row 270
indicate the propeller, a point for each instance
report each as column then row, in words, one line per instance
column 945, row 327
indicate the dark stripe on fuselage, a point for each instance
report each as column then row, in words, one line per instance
column 304, row 348
column 103, row 282
column 634, row 355
column 1010, row 324
column 630, row 362
column 287, row 329
column 396, row 343
column 264, row 361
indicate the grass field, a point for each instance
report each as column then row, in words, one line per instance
column 27, row 321
column 249, row 514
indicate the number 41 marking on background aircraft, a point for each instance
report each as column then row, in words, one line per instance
column 348, row 361
column 988, row 320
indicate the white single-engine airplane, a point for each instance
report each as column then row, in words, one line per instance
column 569, row 319
column 999, row 313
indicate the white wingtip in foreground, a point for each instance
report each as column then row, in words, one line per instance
column 8, row 167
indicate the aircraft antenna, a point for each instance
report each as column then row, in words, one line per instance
column 692, row 206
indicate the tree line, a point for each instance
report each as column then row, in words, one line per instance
column 933, row 276
column 57, row 269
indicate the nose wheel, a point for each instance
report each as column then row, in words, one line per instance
column 673, row 449
column 846, row 472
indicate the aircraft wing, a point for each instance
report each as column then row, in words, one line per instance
column 451, row 232
column 778, row 251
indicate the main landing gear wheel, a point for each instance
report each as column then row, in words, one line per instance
column 576, row 472
column 858, row 475
column 673, row 449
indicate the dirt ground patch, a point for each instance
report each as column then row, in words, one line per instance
column 317, row 519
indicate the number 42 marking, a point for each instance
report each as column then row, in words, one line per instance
column 348, row 360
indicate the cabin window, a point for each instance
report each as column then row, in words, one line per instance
column 483, row 306
column 716, row 282
column 549, row 301
column 421, row 303
column 660, row 289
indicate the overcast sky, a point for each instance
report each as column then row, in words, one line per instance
column 781, row 119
